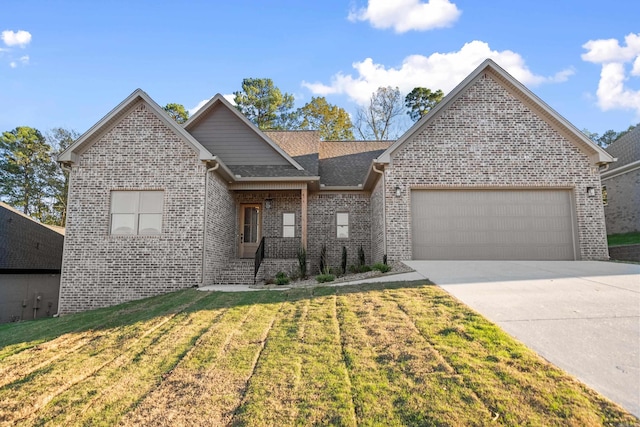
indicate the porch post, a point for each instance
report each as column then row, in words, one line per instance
column 303, row 221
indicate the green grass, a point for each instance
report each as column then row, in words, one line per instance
column 624, row 239
column 383, row 354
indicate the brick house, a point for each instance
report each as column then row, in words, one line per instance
column 490, row 173
column 621, row 184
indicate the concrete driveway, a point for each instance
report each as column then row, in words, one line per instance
column 582, row 316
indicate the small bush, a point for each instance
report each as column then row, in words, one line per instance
column 324, row 265
column 322, row 278
column 381, row 267
column 302, row 262
column 294, row 274
column 363, row 268
column 384, row 259
column 353, row 269
column 344, row 260
column 361, row 260
column 281, row 278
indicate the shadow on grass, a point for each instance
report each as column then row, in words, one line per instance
column 35, row 332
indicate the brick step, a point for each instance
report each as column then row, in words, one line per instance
column 240, row 271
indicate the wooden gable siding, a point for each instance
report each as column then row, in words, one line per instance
column 227, row 137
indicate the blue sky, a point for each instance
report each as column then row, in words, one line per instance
column 68, row 63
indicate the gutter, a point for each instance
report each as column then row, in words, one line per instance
column 620, row 170
column 204, row 220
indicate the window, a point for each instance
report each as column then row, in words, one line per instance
column 342, row 225
column 605, row 200
column 288, row 224
column 136, row 212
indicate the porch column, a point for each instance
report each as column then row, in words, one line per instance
column 303, row 220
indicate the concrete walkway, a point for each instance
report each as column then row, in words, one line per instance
column 582, row 316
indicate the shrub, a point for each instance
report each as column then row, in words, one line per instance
column 363, row 268
column 324, row 265
column 322, row 278
column 353, row 269
column 384, row 259
column 302, row 262
column 361, row 260
column 281, row 278
column 344, row 260
column 381, row 267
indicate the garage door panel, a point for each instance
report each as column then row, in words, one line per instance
column 492, row 224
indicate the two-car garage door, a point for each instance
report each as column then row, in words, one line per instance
column 492, row 225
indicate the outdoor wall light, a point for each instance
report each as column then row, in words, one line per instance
column 398, row 191
column 591, row 191
column 267, row 203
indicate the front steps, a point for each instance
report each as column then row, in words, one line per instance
column 240, row 271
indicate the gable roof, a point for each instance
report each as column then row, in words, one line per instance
column 26, row 244
column 90, row 136
column 596, row 153
column 219, row 100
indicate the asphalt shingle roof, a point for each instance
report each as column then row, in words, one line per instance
column 25, row 244
column 626, row 149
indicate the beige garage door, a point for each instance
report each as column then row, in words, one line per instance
column 492, row 224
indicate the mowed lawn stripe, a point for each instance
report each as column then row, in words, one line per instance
column 54, row 389
column 271, row 396
column 206, row 387
column 26, row 335
column 423, row 389
column 518, row 386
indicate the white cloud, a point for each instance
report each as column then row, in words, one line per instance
column 229, row 97
column 612, row 92
column 16, row 38
column 407, row 15
column 13, row 64
column 24, row 59
column 437, row 71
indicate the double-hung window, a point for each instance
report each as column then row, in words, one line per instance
column 136, row 212
column 342, row 225
column 288, row 224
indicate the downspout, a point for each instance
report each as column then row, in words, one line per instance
column 66, row 169
column 384, row 208
column 204, row 221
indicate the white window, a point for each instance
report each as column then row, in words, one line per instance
column 136, row 212
column 342, row 225
column 288, row 224
column 605, row 196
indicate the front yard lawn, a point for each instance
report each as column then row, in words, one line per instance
column 382, row 354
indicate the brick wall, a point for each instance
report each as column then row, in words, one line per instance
column 138, row 153
column 322, row 208
column 487, row 137
column 221, row 225
column 377, row 222
column 623, row 209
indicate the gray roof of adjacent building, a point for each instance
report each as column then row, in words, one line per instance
column 625, row 149
column 26, row 244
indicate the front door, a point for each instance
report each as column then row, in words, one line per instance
column 250, row 230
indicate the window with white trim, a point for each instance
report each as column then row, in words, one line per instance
column 605, row 196
column 136, row 212
column 288, row 224
column 342, row 225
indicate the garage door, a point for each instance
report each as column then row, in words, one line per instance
column 492, row 224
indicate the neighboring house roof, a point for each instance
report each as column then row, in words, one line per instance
column 596, row 153
column 89, row 137
column 26, row 244
column 219, row 101
column 626, row 150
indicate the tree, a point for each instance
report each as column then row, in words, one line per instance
column 26, row 166
column 377, row 119
column 608, row 137
column 333, row 122
column 420, row 101
column 177, row 112
column 59, row 139
column 265, row 105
